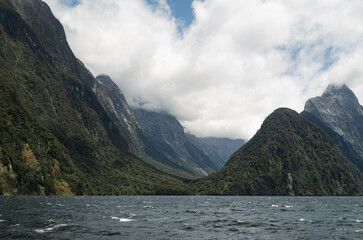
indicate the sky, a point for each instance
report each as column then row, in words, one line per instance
column 220, row 66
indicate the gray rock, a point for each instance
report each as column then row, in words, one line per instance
column 339, row 113
column 167, row 142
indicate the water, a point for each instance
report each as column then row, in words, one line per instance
column 185, row 217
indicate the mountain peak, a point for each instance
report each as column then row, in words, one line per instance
column 337, row 89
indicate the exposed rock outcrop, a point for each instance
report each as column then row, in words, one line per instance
column 339, row 113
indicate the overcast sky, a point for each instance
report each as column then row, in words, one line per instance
column 219, row 66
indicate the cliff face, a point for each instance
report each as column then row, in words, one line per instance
column 166, row 142
column 114, row 102
column 287, row 156
column 56, row 136
column 339, row 113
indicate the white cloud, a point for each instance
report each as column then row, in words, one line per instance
column 235, row 64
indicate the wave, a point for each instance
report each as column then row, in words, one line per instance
column 49, row 229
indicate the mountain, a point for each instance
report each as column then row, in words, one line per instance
column 339, row 113
column 56, row 137
column 217, row 149
column 115, row 104
column 287, row 156
column 166, row 141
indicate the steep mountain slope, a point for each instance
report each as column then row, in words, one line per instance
column 166, row 142
column 339, row 113
column 115, row 104
column 287, row 156
column 218, row 150
column 56, row 136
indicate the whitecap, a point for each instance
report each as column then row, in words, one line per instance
column 287, row 206
column 122, row 219
column 358, row 230
column 148, row 206
column 283, row 206
column 1, row 220
column 359, row 221
column 125, row 220
column 301, row 220
column 44, row 230
column 88, row 205
column 49, row 203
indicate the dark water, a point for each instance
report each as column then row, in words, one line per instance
column 187, row 217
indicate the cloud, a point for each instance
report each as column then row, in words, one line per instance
column 236, row 62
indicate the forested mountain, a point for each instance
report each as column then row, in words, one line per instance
column 56, row 137
column 287, row 156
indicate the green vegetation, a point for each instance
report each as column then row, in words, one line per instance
column 287, row 156
column 55, row 137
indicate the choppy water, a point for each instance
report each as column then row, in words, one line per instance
column 186, row 217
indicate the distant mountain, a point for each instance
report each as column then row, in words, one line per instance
column 287, row 156
column 56, row 136
column 218, row 150
column 339, row 113
column 115, row 104
column 166, row 141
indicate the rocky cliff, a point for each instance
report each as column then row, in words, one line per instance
column 339, row 113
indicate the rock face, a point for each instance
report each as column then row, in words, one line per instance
column 339, row 113
column 114, row 102
column 56, row 137
column 166, row 142
column 288, row 156
column 218, row 150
